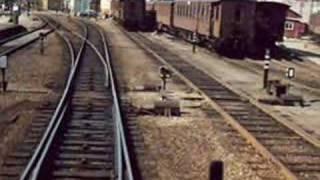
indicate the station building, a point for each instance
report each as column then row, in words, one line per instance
column 50, row 4
column 294, row 25
column 77, row 6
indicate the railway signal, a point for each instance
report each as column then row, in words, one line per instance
column 267, row 58
column 3, row 67
column 194, row 42
column 165, row 74
column 42, row 37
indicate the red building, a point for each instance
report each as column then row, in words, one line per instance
column 294, row 27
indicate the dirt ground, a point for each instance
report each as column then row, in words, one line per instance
column 33, row 79
column 246, row 77
column 177, row 147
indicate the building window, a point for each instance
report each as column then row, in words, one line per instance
column 289, row 26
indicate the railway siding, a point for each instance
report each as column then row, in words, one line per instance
column 237, row 111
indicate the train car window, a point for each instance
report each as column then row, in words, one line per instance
column 202, row 11
column 237, row 15
column 194, row 10
column 217, row 12
column 186, row 10
column 207, row 11
column 213, row 12
column 176, row 10
column 183, row 10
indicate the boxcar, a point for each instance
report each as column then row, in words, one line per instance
column 129, row 12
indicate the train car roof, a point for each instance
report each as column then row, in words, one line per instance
column 285, row 2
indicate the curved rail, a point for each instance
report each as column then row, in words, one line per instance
column 38, row 158
column 32, row 170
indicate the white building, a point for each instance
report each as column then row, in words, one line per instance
column 76, row 6
column 305, row 8
column 105, row 6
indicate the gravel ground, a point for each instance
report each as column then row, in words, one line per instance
column 177, row 147
column 243, row 76
column 33, row 79
column 310, row 49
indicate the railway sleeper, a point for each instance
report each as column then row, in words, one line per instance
column 88, row 156
column 256, row 121
column 81, row 174
column 106, row 142
column 82, row 147
column 14, row 162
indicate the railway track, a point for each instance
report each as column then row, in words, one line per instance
column 297, row 157
column 82, row 137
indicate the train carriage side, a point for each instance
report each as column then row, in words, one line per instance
column 193, row 17
column 164, row 15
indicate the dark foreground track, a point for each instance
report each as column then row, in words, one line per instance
column 298, row 158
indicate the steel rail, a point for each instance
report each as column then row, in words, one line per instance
column 32, row 169
column 36, row 163
column 110, row 82
column 121, row 140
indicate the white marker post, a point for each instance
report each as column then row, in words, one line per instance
column 16, row 12
column 290, row 74
column 194, row 42
column 3, row 67
column 42, row 37
column 266, row 68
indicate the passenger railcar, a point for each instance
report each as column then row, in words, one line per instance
column 245, row 27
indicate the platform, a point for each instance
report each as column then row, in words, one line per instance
column 7, row 30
